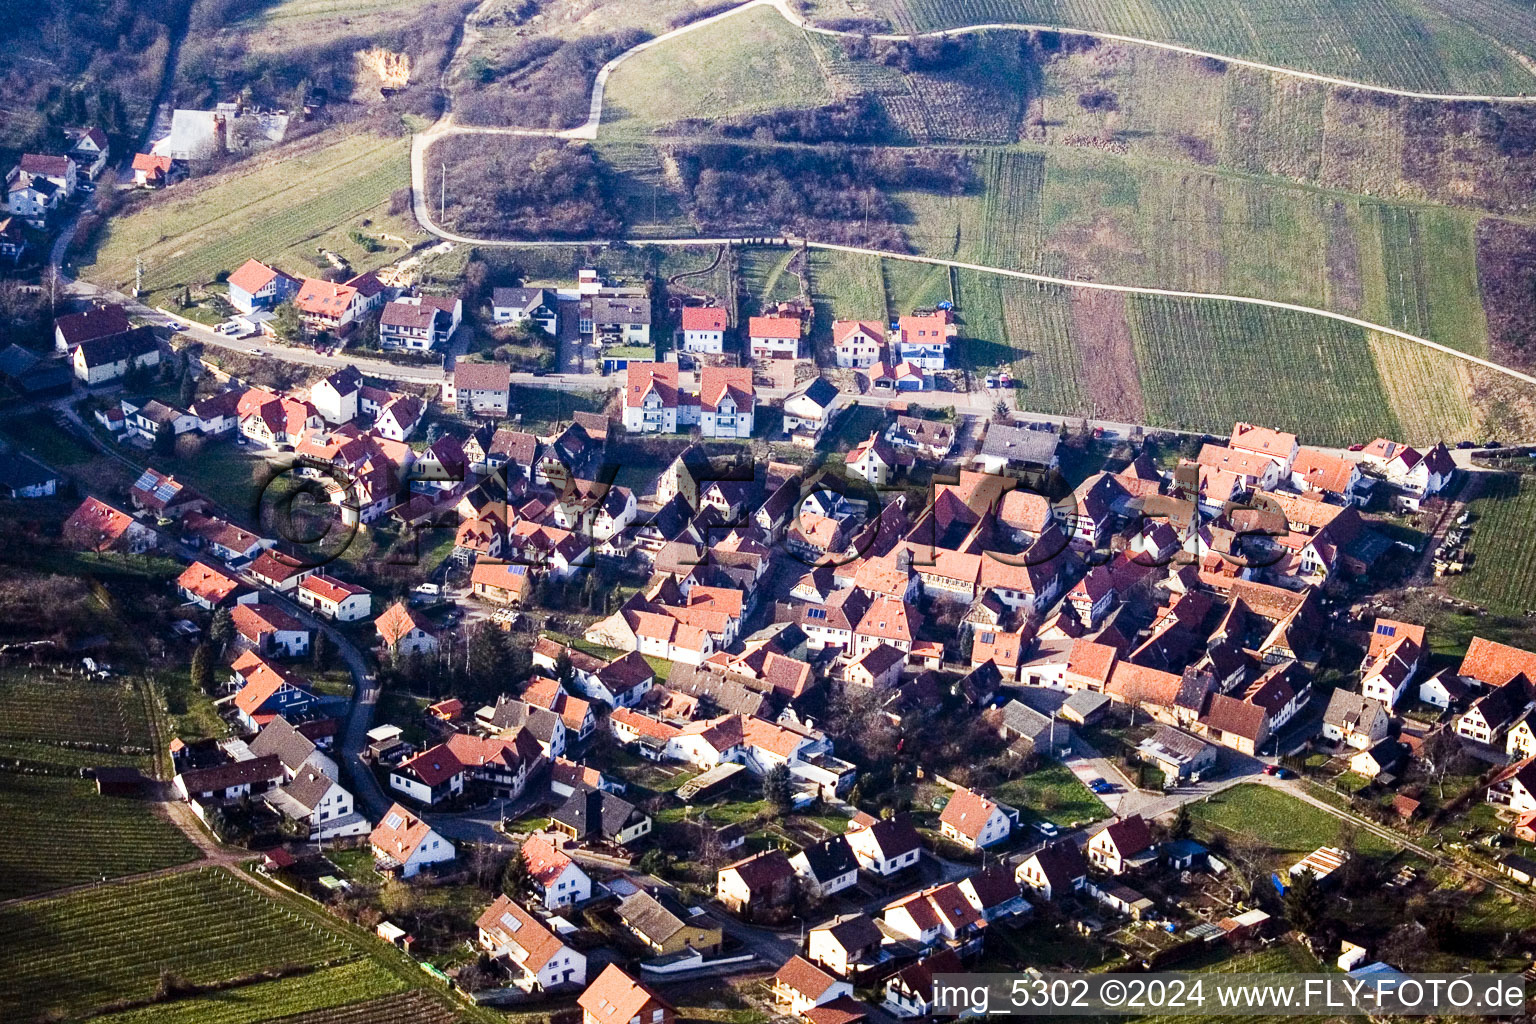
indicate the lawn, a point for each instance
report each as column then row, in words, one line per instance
column 58, row 832
column 1502, row 574
column 279, row 210
column 1275, row 819
column 36, row 432
column 1051, row 793
column 69, row 955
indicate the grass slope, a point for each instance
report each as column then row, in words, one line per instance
column 279, row 209
column 753, row 62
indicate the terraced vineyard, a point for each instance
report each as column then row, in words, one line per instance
column 69, row 955
column 59, row 832
column 1502, row 576
column 1383, row 42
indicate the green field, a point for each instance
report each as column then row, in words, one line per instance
column 1052, row 793
column 1502, row 576
column 279, row 210
column 1440, row 45
column 1277, row 820
column 753, row 62
column 58, row 832
column 70, row 955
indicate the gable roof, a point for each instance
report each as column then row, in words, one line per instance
column 481, row 376
column 805, row 978
column 396, row 623
column 831, row 858
column 253, row 276
column 1130, row 836
column 324, row 298
column 97, row 322
column 1495, row 663
column 715, row 382
column 1061, row 862
column 703, row 318
column 967, row 812
column 509, row 924
column 399, row 833
column 616, row 998
column 785, row 328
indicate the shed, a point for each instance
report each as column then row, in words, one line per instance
column 118, row 781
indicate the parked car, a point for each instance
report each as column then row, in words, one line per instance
column 1047, row 829
column 1466, row 444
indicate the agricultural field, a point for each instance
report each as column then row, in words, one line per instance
column 1502, row 576
column 45, row 847
column 114, row 946
column 1440, row 45
column 250, row 1004
column 280, row 208
column 73, row 715
column 1205, row 365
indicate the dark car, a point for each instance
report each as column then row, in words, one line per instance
column 1466, row 444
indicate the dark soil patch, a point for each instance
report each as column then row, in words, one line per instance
column 1344, row 292
column 1107, row 355
column 1506, row 270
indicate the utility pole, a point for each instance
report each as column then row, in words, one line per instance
column 138, row 276
column 442, row 199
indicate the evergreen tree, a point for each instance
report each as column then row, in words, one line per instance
column 320, row 653
column 286, row 323
column 776, row 787
column 515, row 877
column 221, row 629
column 202, row 668
column 1304, row 901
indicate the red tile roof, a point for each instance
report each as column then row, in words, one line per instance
column 778, row 327
column 703, row 318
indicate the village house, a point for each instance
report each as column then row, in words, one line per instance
column 759, row 888
column 1489, row 716
column 884, row 846
column 97, row 526
column 89, row 149
column 1056, row 869
column 596, row 815
column 508, row 931
column 1121, row 846
column 327, row 306
column 826, row 868
column 726, row 402
column 856, row 344
column 973, row 821
column 937, row 916
column 1392, row 660
column 402, row 843
column 208, row 588
column 402, row 632
column 319, row 803
column 651, row 398
column 256, row 286
column 800, row 987
column 431, row 777
column 165, row 496
column 417, row 323
column 270, row 631
column 922, row 339
column 151, row 170
column 616, row 998
column 104, row 360
column 848, row 946
column 909, row 992
column 623, row 319
column 558, row 879
column 478, row 389
column 666, row 927
column 774, row 337
column 1355, row 721
column 333, row 598
column 809, row 410
column 516, row 305
column 703, row 329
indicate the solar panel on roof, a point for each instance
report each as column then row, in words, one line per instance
column 393, row 821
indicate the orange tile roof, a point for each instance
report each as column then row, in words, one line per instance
column 203, row 581
column 967, row 812
column 781, row 327
column 1495, row 663
column 616, row 998
column 396, row 623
